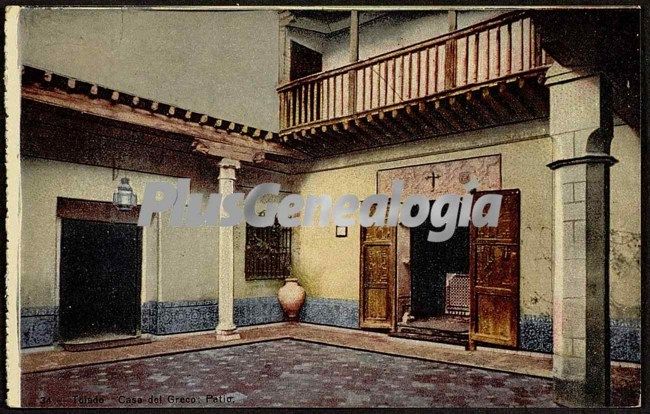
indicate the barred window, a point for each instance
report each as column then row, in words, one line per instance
column 268, row 252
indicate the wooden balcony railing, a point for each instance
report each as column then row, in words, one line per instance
column 498, row 48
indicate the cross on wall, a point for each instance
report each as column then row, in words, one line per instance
column 433, row 177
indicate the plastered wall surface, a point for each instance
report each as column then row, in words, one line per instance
column 329, row 267
column 210, row 63
column 189, row 266
column 625, row 222
column 339, row 278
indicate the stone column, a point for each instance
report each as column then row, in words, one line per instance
column 226, row 329
column 581, row 128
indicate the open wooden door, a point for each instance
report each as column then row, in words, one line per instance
column 494, row 276
column 377, row 277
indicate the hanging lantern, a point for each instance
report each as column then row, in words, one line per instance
column 124, row 198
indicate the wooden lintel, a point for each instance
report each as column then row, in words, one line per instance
column 216, row 149
column 123, row 113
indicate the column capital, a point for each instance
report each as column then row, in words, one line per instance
column 589, row 158
column 229, row 163
column 227, row 169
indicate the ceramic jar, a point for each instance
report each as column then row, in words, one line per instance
column 291, row 297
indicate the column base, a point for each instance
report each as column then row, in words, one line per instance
column 230, row 335
column 569, row 393
column 572, row 393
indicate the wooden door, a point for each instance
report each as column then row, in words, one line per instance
column 494, row 275
column 377, row 277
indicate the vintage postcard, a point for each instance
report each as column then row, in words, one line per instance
column 323, row 207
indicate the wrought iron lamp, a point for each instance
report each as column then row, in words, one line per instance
column 124, row 198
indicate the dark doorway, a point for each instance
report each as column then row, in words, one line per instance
column 430, row 264
column 100, row 274
column 439, row 285
column 304, row 61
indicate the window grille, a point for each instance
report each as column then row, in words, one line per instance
column 268, row 252
column 457, row 297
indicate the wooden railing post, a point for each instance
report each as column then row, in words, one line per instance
column 352, row 91
column 475, row 54
column 450, row 63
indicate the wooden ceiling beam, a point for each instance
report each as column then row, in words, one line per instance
column 352, row 128
column 475, row 103
column 414, row 116
column 458, row 106
column 428, row 113
column 533, row 97
column 317, row 144
column 495, row 104
column 513, row 101
column 293, row 143
column 329, row 140
column 312, row 146
column 449, row 116
column 372, row 129
column 402, row 121
column 342, row 139
column 395, row 130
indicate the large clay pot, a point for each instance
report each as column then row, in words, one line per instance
column 291, row 297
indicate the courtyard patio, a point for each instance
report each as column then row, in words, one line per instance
column 297, row 365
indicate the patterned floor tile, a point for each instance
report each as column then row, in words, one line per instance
column 282, row 373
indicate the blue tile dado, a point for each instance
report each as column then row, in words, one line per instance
column 149, row 317
column 162, row 318
column 335, row 312
column 38, row 326
column 256, row 311
column 184, row 316
column 536, row 333
column 625, row 340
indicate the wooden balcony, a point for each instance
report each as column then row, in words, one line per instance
column 488, row 74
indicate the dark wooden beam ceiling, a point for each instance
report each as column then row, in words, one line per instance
column 607, row 40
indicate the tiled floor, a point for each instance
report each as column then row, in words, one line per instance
column 295, row 363
column 285, row 373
